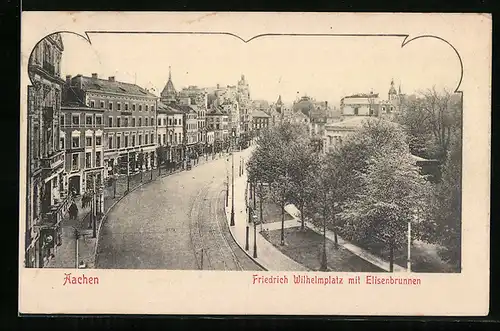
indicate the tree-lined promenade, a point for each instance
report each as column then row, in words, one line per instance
column 368, row 189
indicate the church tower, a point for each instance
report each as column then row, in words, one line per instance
column 393, row 95
column 168, row 94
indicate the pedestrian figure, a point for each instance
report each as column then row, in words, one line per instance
column 73, row 211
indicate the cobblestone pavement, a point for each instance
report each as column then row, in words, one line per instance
column 176, row 222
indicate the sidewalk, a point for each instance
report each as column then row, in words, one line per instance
column 65, row 255
column 269, row 257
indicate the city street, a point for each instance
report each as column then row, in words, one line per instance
column 176, row 223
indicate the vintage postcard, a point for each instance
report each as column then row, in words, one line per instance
column 255, row 163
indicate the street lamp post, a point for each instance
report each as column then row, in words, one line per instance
column 247, row 228
column 254, row 236
column 77, row 237
column 128, row 172
column 232, row 188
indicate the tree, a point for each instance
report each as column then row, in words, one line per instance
column 431, row 119
column 391, row 190
column 444, row 225
column 303, row 163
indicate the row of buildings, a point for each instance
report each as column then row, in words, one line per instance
column 85, row 129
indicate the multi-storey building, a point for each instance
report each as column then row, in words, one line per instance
column 47, row 201
column 260, row 121
column 198, row 100
column 171, row 131
column 217, row 122
column 82, row 137
column 190, row 128
column 129, row 117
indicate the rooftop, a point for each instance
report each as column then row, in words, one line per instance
column 112, row 86
column 259, row 113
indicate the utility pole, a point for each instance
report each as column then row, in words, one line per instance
column 232, row 188
column 77, row 237
column 408, row 262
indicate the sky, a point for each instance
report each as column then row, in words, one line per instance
column 325, row 68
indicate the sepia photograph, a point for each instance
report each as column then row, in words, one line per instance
column 315, row 154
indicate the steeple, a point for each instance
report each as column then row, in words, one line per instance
column 392, row 91
column 168, row 94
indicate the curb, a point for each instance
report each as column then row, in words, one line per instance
column 237, row 243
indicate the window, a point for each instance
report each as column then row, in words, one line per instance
column 180, row 121
column 356, row 110
column 164, row 139
column 118, row 122
column 88, row 141
column 159, row 122
column 92, row 103
column 126, row 141
column 125, row 122
column 152, row 108
column 169, row 122
column 102, row 104
column 98, row 120
column 61, row 120
column 118, row 142
column 133, row 121
column 88, row 160
column 145, row 139
column 126, row 106
column 61, row 143
column 110, row 142
column 110, row 105
column 152, row 121
column 75, row 119
column 133, row 140
column 75, row 142
column 98, row 141
column 118, row 106
column 152, row 139
column 140, row 107
column 146, row 121
column 140, row 121
column 75, row 161
column 88, row 119
column 133, row 107
column 97, row 159
column 159, row 139
column 175, row 121
column 140, row 140
column 110, row 122
column 147, row 108
column 176, row 138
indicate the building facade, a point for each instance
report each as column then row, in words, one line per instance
column 171, row 131
column 260, row 121
column 129, row 117
column 218, row 123
column 82, row 137
column 47, row 201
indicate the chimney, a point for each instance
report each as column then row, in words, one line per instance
column 111, row 78
column 68, row 79
column 326, row 104
column 94, row 75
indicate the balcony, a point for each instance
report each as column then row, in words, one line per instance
column 53, row 162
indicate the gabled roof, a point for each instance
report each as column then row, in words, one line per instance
column 260, row 113
column 182, row 108
column 104, row 85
